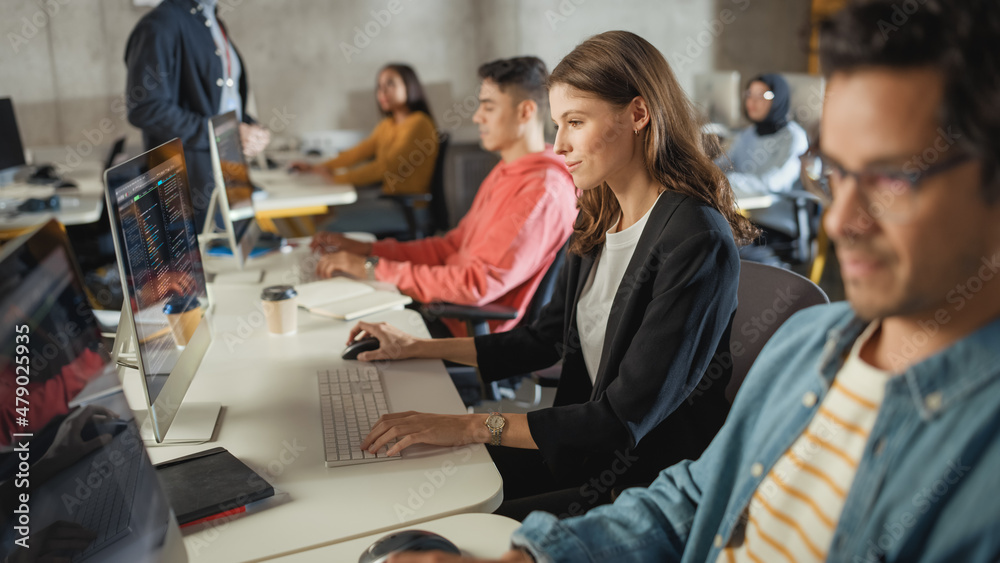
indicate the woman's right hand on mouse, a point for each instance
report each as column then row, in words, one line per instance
column 512, row 556
column 394, row 344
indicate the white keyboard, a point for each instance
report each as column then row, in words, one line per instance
column 351, row 401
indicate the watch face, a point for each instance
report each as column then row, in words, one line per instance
column 495, row 421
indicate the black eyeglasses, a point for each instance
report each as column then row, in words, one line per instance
column 889, row 193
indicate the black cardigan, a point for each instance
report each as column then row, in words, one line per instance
column 670, row 318
column 171, row 88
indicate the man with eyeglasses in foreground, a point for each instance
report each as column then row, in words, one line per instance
column 870, row 430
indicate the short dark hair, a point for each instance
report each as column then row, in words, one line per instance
column 524, row 78
column 959, row 38
column 416, row 100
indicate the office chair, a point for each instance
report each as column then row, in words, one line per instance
column 766, row 301
column 477, row 323
column 424, row 221
column 790, row 225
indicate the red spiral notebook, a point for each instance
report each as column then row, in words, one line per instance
column 210, row 484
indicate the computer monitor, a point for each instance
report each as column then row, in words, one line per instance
column 65, row 461
column 717, row 96
column 233, row 190
column 11, row 149
column 163, row 332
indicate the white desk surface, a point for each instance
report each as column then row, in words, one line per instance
column 484, row 536
column 267, row 386
column 84, row 203
column 78, row 206
column 288, row 191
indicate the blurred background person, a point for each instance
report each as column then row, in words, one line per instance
column 764, row 157
column 399, row 156
column 182, row 70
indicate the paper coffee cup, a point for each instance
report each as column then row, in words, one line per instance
column 183, row 315
column 280, row 309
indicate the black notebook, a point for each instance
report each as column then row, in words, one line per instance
column 208, row 483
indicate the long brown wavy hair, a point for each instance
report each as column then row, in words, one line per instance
column 617, row 66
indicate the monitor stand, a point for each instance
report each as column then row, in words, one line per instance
column 193, row 423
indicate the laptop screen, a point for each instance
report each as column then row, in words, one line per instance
column 235, row 172
column 76, row 479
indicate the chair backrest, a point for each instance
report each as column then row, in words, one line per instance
column 545, row 289
column 438, row 205
column 768, row 296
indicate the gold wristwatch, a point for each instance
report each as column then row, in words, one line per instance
column 495, row 423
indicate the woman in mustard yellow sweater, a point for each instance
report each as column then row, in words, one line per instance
column 399, row 154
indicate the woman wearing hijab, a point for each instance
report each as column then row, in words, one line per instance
column 764, row 158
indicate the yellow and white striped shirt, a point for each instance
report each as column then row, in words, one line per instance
column 794, row 512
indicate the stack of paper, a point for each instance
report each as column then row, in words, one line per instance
column 346, row 299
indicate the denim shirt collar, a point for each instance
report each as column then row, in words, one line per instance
column 935, row 383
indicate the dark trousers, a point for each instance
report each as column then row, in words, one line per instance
column 528, row 485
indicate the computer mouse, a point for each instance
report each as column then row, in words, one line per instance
column 44, row 172
column 406, row 540
column 365, row 344
column 65, row 184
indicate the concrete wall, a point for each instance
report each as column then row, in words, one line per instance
column 314, row 62
column 766, row 36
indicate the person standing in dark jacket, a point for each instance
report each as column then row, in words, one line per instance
column 182, row 70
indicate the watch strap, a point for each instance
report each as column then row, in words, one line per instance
column 496, row 433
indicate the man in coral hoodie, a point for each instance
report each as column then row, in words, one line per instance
column 520, row 218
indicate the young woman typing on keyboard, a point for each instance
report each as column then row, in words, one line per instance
column 642, row 311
